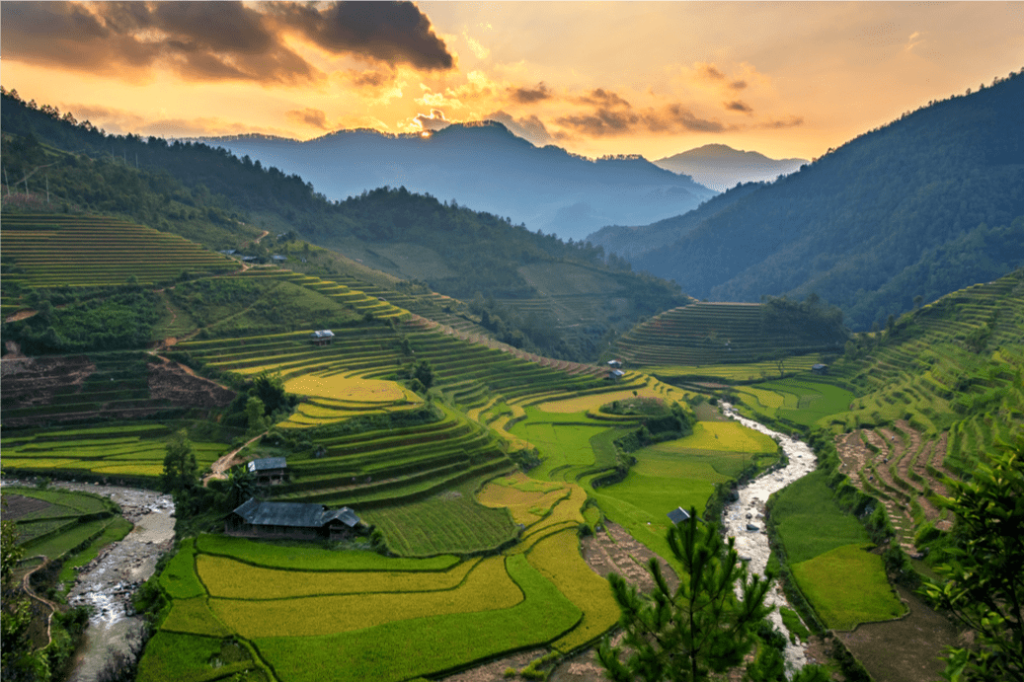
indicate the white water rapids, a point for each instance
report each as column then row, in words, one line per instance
column 749, row 509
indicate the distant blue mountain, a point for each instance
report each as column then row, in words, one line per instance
column 720, row 167
column 487, row 168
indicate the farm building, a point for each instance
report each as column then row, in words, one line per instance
column 291, row 519
column 268, row 469
column 616, row 374
column 820, row 369
column 322, row 337
column 615, row 364
column 678, row 515
column 278, row 258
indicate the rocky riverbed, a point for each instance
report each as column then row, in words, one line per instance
column 744, row 519
column 108, row 582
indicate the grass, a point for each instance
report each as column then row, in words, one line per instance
column 193, row 617
column 809, row 522
column 178, row 578
column 61, row 543
column 427, row 646
column 558, row 559
column 184, row 658
column 797, row 400
column 487, row 587
column 848, row 586
column 302, row 556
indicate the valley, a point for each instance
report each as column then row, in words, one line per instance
column 446, row 430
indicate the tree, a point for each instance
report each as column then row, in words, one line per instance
column 699, row 629
column 243, row 484
column 983, row 582
column 270, row 389
column 17, row 660
column 425, row 373
column 181, row 473
column 254, row 410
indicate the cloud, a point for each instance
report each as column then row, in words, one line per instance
column 530, row 128
column 606, row 122
column 216, row 41
column 604, row 98
column 118, row 122
column 435, row 121
column 391, row 32
column 790, row 122
column 310, row 117
column 738, row 106
column 738, row 84
column 709, row 72
column 524, row 95
column 476, row 47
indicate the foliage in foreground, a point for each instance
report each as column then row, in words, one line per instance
column 984, row 584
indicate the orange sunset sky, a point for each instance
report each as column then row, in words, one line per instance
column 785, row 79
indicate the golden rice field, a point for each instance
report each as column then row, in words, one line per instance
column 230, row 579
column 193, row 616
column 593, row 402
column 558, row 559
column 565, row 514
column 340, row 387
column 526, row 499
column 725, row 436
column 487, row 588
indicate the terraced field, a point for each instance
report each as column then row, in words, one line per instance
column 716, row 333
column 76, row 250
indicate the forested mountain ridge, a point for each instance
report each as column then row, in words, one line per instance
column 209, row 196
column 926, row 205
column 486, row 167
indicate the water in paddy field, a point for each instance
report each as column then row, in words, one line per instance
column 749, row 509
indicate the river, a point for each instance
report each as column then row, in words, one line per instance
column 750, row 508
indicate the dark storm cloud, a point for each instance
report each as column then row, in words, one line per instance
column 392, row 32
column 215, row 40
column 530, row 95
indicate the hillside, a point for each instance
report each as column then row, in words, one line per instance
column 921, row 207
column 390, row 237
column 721, row 167
column 723, row 333
column 487, row 168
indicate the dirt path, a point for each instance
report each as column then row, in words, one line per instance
column 265, row 233
column 21, row 315
column 26, row 585
column 221, row 466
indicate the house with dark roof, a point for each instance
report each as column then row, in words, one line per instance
column 291, row 520
column 268, row 469
column 322, row 337
column 678, row 515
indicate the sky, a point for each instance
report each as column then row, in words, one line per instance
column 596, row 78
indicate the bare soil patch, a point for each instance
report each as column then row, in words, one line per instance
column 182, row 387
column 495, row 670
column 905, row 650
column 19, row 506
column 21, row 315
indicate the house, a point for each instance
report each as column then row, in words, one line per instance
column 616, row 374
column 678, row 515
column 268, row 469
column 820, row 369
column 322, row 337
column 278, row 258
column 229, row 252
column 249, row 259
column 291, row 520
column 616, row 364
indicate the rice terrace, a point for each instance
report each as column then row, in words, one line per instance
column 261, row 422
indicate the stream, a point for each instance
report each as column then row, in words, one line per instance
column 752, row 545
column 108, row 582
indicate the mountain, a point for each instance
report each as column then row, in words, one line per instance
column 928, row 204
column 533, row 291
column 487, row 168
column 720, row 167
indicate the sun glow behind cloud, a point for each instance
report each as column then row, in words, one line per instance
column 596, row 78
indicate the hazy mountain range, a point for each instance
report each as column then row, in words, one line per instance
column 487, row 168
column 928, row 204
column 720, row 167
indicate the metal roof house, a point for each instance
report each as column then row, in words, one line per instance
column 678, row 515
column 268, row 469
column 322, row 337
column 291, row 519
column 820, row 368
column 616, row 374
column 615, row 363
